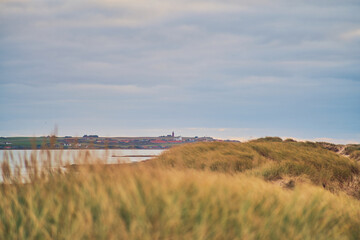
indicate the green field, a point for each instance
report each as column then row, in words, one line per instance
column 23, row 142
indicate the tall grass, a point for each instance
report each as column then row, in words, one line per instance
column 270, row 160
column 195, row 191
column 149, row 203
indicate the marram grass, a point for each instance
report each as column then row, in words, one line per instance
column 150, row 201
column 269, row 160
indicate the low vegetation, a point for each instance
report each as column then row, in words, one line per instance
column 272, row 160
column 257, row 190
column 353, row 151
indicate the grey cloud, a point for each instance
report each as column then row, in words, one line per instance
column 237, row 59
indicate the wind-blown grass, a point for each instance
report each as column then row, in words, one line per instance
column 139, row 203
column 195, row 191
column 271, row 160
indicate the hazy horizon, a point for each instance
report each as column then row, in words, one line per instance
column 203, row 133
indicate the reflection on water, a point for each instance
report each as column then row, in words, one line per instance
column 18, row 162
column 65, row 157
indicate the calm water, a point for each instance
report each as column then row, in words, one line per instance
column 65, row 157
column 74, row 156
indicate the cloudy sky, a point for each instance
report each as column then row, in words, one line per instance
column 222, row 68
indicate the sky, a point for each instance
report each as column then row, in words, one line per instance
column 231, row 69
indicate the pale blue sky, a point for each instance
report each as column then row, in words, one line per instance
column 228, row 69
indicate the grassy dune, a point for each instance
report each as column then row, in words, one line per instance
column 270, row 161
column 195, row 191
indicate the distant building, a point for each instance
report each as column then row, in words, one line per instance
column 173, row 134
column 90, row 136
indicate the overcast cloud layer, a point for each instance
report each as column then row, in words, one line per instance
column 230, row 69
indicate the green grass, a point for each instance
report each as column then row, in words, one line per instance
column 269, row 139
column 25, row 142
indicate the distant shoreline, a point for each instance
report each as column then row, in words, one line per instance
column 90, row 142
column 60, row 149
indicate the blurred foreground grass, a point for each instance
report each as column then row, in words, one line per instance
column 196, row 191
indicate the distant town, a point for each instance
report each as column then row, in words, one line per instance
column 97, row 142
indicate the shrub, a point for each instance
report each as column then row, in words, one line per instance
column 268, row 139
